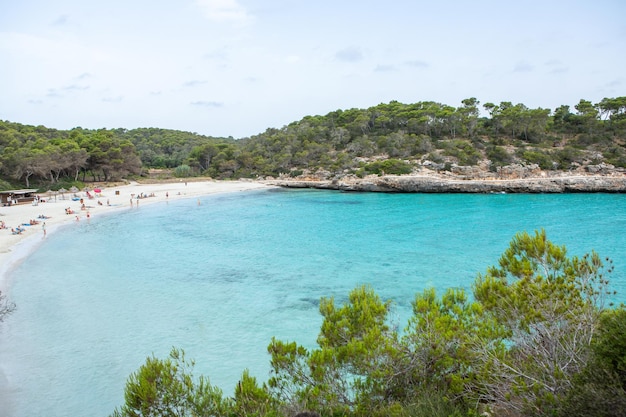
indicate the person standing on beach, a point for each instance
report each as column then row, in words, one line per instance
column 43, row 227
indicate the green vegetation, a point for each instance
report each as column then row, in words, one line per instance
column 168, row 388
column 534, row 338
column 388, row 166
column 339, row 143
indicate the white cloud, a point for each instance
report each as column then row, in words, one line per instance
column 76, row 87
column 194, row 83
column 62, row 20
column 224, row 11
column 53, row 93
column 350, row 54
column 417, row 64
column 115, row 99
column 523, row 66
column 384, row 68
column 203, row 103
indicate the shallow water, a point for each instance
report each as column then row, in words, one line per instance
column 221, row 278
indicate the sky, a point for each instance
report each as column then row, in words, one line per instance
column 238, row 67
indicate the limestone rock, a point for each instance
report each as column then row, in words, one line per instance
column 434, row 184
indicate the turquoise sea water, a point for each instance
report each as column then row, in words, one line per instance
column 221, row 278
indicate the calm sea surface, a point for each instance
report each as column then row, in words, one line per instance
column 221, row 278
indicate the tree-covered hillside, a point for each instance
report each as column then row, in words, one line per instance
column 391, row 138
column 349, row 141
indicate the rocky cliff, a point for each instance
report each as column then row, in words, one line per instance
column 454, row 184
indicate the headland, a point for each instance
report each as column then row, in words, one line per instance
column 427, row 181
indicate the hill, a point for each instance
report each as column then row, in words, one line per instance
column 508, row 141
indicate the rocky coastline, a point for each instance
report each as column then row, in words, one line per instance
column 615, row 183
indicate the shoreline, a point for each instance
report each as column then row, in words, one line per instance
column 14, row 249
column 431, row 183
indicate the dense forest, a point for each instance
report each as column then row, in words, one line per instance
column 393, row 138
column 536, row 337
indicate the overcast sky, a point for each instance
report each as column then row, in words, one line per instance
column 238, row 67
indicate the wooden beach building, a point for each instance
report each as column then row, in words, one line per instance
column 10, row 197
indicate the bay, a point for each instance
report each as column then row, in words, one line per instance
column 220, row 278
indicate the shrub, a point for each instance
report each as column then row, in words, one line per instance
column 540, row 158
column 600, row 390
column 389, row 166
column 567, row 156
column 499, row 156
column 464, row 152
column 182, row 171
column 616, row 156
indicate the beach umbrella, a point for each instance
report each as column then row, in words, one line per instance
column 74, row 189
column 63, row 191
column 51, row 193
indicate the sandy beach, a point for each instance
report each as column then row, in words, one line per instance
column 15, row 247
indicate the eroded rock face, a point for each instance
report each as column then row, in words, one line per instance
column 585, row 184
column 432, row 184
column 514, row 178
column 518, row 171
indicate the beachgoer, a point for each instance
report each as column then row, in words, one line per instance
column 43, row 227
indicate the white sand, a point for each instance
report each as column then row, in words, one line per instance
column 14, row 248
